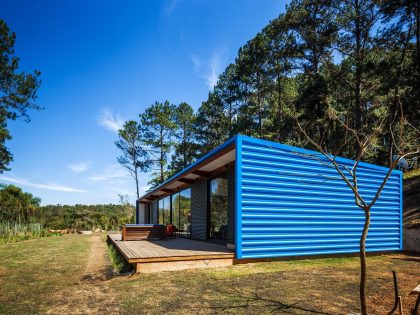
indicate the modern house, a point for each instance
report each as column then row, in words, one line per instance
column 264, row 200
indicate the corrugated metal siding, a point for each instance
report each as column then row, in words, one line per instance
column 293, row 205
column 199, row 210
column 231, row 205
column 154, row 211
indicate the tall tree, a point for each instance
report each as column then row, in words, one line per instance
column 158, row 125
column 185, row 146
column 16, row 206
column 227, row 90
column 311, row 23
column 212, row 124
column 134, row 154
column 252, row 68
column 281, row 57
column 357, row 21
column 17, row 91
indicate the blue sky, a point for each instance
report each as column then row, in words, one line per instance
column 104, row 62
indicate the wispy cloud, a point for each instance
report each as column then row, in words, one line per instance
column 170, row 6
column 210, row 69
column 49, row 186
column 109, row 174
column 110, row 121
column 79, row 167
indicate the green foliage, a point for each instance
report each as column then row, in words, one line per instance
column 17, row 91
column 356, row 59
column 118, row 261
column 158, row 126
column 185, row 146
column 135, row 157
column 15, row 232
column 85, row 217
column 412, row 174
column 15, row 205
column 330, row 63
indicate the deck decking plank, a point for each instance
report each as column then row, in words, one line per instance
column 169, row 249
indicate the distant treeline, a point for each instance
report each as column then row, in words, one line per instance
column 20, row 208
column 84, row 217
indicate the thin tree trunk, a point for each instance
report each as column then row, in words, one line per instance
column 358, row 76
column 259, row 115
column 363, row 305
column 279, row 109
column 136, row 178
column 161, row 155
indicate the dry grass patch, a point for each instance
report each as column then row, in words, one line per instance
column 32, row 271
column 316, row 286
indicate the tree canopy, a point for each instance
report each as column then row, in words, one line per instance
column 356, row 60
column 17, row 91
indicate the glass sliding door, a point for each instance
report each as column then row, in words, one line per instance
column 164, row 211
column 181, row 212
column 175, row 210
column 218, row 208
column 185, row 213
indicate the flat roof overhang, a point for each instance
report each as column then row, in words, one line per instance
column 211, row 164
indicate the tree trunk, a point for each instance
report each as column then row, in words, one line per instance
column 358, row 75
column 259, row 115
column 136, row 178
column 363, row 306
column 161, row 156
column 279, row 109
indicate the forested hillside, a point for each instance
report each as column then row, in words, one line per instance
column 329, row 63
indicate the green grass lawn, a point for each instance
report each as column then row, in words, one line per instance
column 38, row 275
column 31, row 271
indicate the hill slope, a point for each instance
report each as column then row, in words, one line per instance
column 412, row 203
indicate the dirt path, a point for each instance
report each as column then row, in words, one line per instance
column 92, row 295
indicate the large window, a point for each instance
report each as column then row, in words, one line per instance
column 164, row 212
column 218, row 208
column 181, row 212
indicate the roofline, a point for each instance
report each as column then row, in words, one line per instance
column 196, row 163
column 269, row 143
column 312, row 152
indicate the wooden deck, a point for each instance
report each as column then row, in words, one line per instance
column 172, row 254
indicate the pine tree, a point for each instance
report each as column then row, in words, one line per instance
column 135, row 157
column 185, row 146
column 158, row 125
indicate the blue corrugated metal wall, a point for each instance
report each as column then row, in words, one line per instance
column 290, row 204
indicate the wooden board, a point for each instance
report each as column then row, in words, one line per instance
column 169, row 250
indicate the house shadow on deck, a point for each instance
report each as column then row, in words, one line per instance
column 172, row 254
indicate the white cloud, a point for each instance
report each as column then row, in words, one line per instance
column 209, row 70
column 170, row 6
column 109, row 174
column 50, row 186
column 196, row 62
column 214, row 72
column 79, row 167
column 110, row 121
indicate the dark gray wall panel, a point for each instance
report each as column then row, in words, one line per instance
column 154, row 211
column 231, row 206
column 199, row 210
